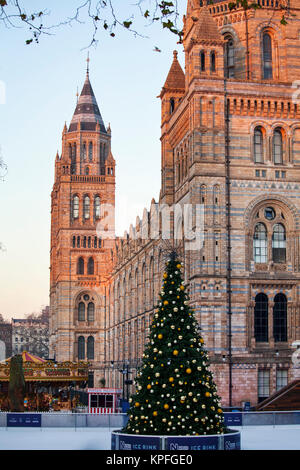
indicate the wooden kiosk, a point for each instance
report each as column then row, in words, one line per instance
column 104, row 400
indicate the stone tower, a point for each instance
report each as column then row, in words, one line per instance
column 230, row 142
column 82, row 196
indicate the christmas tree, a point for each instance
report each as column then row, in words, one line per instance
column 175, row 393
column 16, row 388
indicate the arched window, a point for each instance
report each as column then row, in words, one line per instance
column 280, row 318
column 277, row 147
column 81, row 311
column 90, row 347
column 212, row 61
column 75, row 207
column 91, row 311
column 81, row 348
column 80, row 266
column 97, row 207
column 83, row 151
column 261, row 318
column 90, row 267
column 267, row 57
column 86, row 207
column 279, row 244
column 172, row 105
column 73, row 159
column 202, row 61
column 90, row 151
column 258, row 145
column 87, row 170
column 260, row 244
column 229, row 57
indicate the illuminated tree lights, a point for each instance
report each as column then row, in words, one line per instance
column 175, row 392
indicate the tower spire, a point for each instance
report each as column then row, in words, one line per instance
column 88, row 64
column 87, row 111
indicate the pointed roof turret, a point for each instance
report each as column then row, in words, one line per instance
column 206, row 28
column 87, row 111
column 176, row 78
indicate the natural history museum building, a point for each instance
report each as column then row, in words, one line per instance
column 230, row 142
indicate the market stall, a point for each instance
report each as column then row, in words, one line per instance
column 104, row 400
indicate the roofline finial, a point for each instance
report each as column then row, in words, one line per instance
column 88, row 64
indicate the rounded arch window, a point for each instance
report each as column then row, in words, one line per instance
column 80, row 266
column 278, row 146
column 90, row 347
column 202, row 61
column 85, row 308
column 172, row 105
column 280, row 318
column 260, row 244
column 91, row 311
column 81, row 348
column 212, row 61
column 258, row 145
column 86, row 207
column 75, row 207
column 261, row 318
column 267, row 56
column 279, row 244
column 229, row 56
column 81, row 311
column 90, row 151
column 91, row 266
column 97, row 206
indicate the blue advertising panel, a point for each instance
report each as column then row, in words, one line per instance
column 192, row 443
column 233, row 419
column 232, row 442
column 113, row 441
column 128, row 442
column 247, row 406
column 24, row 420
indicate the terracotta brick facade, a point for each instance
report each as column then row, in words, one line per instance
column 231, row 143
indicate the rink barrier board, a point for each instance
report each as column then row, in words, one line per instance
column 228, row 441
column 119, row 420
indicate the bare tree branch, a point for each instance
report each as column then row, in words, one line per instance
column 102, row 14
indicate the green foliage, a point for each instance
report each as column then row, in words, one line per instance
column 16, row 389
column 175, row 393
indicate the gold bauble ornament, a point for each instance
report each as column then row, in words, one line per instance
column 175, row 352
column 166, row 406
column 188, row 370
column 160, row 336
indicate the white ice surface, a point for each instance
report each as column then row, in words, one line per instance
column 253, row 438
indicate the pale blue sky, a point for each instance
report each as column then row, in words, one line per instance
column 41, row 83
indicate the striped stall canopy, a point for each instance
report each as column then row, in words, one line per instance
column 100, row 411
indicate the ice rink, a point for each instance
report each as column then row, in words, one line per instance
column 253, row 438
